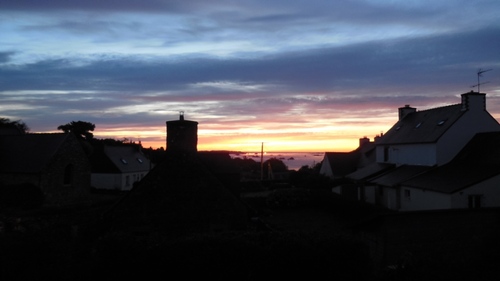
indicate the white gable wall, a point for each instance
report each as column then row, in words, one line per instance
column 326, row 168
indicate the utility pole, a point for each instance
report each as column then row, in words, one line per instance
column 262, row 162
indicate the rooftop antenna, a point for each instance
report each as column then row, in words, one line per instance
column 479, row 74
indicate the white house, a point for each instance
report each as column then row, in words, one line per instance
column 427, row 172
column 434, row 136
column 118, row 167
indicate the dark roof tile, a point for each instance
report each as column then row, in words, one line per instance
column 425, row 126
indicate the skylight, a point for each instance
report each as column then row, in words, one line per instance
column 441, row 122
column 123, row 161
column 139, row 160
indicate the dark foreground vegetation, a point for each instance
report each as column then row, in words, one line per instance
column 311, row 239
column 75, row 246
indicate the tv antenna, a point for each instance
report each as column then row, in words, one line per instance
column 480, row 74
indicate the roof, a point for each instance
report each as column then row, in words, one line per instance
column 343, row 163
column 369, row 171
column 29, row 153
column 479, row 160
column 399, row 174
column 425, row 126
column 119, row 159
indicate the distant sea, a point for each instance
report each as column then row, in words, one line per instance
column 293, row 160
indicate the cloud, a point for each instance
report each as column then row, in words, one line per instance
column 5, row 56
column 412, row 62
column 306, row 66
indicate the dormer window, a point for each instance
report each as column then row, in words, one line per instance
column 123, row 161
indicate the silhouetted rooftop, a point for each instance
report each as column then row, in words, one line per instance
column 119, row 159
column 399, row 174
column 28, row 153
column 425, row 126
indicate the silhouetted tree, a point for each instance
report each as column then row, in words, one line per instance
column 273, row 165
column 81, row 129
column 18, row 124
column 246, row 164
column 310, row 178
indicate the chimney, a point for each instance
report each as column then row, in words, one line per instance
column 473, row 101
column 403, row 111
column 182, row 135
column 364, row 140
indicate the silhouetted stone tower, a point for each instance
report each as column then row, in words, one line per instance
column 182, row 135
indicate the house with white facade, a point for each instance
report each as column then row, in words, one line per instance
column 434, row 136
column 421, row 144
column 118, row 167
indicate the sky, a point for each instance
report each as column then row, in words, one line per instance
column 312, row 75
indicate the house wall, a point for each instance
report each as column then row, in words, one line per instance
column 106, row 181
column 59, row 184
column 369, row 193
column 412, row 154
column 326, row 169
column 337, row 189
column 387, row 197
column 122, row 182
column 59, row 191
column 419, row 199
column 471, row 123
column 489, row 190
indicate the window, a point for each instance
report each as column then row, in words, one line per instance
column 127, row 180
column 386, row 154
column 139, row 160
column 441, row 122
column 475, row 201
column 123, row 161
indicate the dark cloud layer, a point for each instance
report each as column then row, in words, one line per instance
column 450, row 59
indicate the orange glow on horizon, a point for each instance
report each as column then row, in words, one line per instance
column 343, row 141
